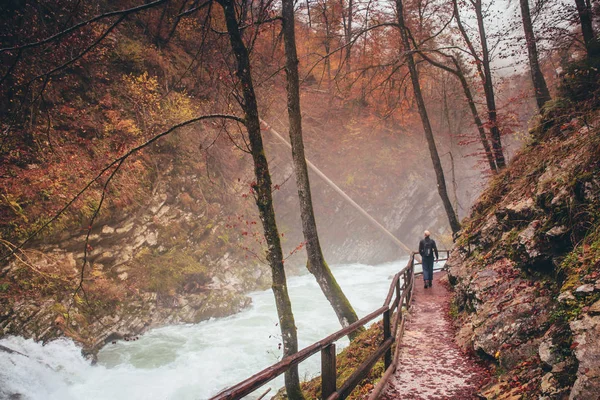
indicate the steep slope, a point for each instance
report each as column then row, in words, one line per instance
column 526, row 267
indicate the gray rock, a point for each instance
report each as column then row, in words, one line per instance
column 545, row 351
column 125, row 229
column 559, row 367
column 557, row 231
column 595, row 308
column 548, row 384
column 587, row 288
column 528, row 242
column 522, row 209
column 586, row 332
column 565, row 297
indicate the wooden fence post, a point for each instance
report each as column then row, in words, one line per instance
column 328, row 371
column 387, row 333
column 398, row 292
column 411, row 276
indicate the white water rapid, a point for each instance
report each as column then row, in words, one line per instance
column 190, row 362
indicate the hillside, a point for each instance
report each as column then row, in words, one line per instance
column 526, row 267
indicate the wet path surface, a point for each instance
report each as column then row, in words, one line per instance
column 431, row 365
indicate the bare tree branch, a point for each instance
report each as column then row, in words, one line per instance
column 85, row 23
column 118, row 161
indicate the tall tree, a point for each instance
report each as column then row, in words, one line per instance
column 347, row 17
column 542, row 95
column 435, row 158
column 484, row 71
column 584, row 10
column 316, row 262
column 458, row 72
column 488, row 87
column 327, row 22
column 263, row 196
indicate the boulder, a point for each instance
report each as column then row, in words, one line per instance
column 565, row 297
column 528, row 241
column 557, row 232
column 546, row 351
column 523, row 209
column 586, row 332
column 587, row 288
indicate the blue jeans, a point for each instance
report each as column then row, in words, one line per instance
column 428, row 268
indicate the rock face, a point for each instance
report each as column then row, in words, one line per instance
column 151, row 269
column 586, row 333
column 525, row 272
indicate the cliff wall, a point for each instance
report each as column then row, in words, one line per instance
column 526, row 266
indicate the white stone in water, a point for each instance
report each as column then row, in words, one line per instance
column 123, row 276
column 108, row 230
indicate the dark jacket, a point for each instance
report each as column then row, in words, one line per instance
column 433, row 247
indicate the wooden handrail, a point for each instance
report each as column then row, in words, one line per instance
column 391, row 291
column 403, row 298
column 254, row 382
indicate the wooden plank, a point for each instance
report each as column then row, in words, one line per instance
column 328, row 370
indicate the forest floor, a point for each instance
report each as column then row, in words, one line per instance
column 431, row 365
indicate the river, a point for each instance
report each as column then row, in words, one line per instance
column 190, row 362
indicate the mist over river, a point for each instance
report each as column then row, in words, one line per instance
column 191, row 362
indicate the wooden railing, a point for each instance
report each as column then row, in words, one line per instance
column 401, row 290
column 435, row 267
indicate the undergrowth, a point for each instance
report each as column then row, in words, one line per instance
column 348, row 361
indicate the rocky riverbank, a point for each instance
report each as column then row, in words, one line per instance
column 526, row 267
column 165, row 265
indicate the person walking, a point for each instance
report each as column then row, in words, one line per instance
column 427, row 250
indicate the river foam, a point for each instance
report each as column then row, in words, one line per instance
column 190, row 362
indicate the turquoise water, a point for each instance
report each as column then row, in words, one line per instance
column 191, row 362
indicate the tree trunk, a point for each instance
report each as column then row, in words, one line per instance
column 264, row 199
column 348, row 35
column 476, row 118
column 316, row 262
column 435, row 158
column 488, row 87
column 458, row 72
column 584, row 10
column 542, row 95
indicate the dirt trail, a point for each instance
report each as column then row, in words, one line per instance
column 431, row 365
